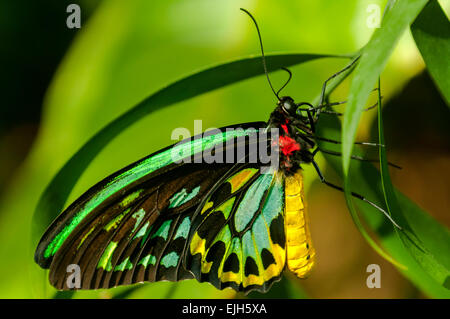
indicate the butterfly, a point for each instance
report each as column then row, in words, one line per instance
column 171, row 216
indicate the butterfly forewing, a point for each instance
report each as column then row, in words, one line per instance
column 113, row 242
column 112, row 188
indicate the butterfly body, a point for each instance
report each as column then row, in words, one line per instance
column 294, row 146
column 299, row 249
column 230, row 224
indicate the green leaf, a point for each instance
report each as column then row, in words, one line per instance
column 64, row 294
column 366, row 180
column 436, row 266
column 431, row 32
column 373, row 58
column 286, row 288
column 398, row 16
column 331, row 86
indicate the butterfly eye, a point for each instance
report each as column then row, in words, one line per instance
column 288, row 105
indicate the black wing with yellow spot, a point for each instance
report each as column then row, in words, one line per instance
column 237, row 236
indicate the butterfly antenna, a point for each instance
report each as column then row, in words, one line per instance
column 284, row 85
column 262, row 53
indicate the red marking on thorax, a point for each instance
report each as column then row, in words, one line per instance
column 288, row 145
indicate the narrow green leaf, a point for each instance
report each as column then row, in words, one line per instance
column 286, row 288
column 374, row 57
column 353, row 213
column 366, row 180
column 431, row 264
column 431, row 32
column 397, row 17
column 64, row 294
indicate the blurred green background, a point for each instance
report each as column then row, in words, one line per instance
column 60, row 86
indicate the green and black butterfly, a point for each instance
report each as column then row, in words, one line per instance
column 171, row 216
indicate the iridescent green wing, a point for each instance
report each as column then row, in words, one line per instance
column 114, row 244
column 237, row 236
column 88, row 231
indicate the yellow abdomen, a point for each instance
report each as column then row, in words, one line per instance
column 299, row 250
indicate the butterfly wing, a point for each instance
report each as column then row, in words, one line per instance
column 145, row 230
column 237, row 236
column 101, row 230
column 112, row 188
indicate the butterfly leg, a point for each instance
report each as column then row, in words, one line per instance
column 311, row 121
column 339, row 103
column 310, row 112
column 356, row 195
column 339, row 142
column 359, row 158
column 324, row 86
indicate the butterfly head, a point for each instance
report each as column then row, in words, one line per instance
column 288, row 105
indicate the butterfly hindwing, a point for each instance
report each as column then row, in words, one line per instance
column 237, row 238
